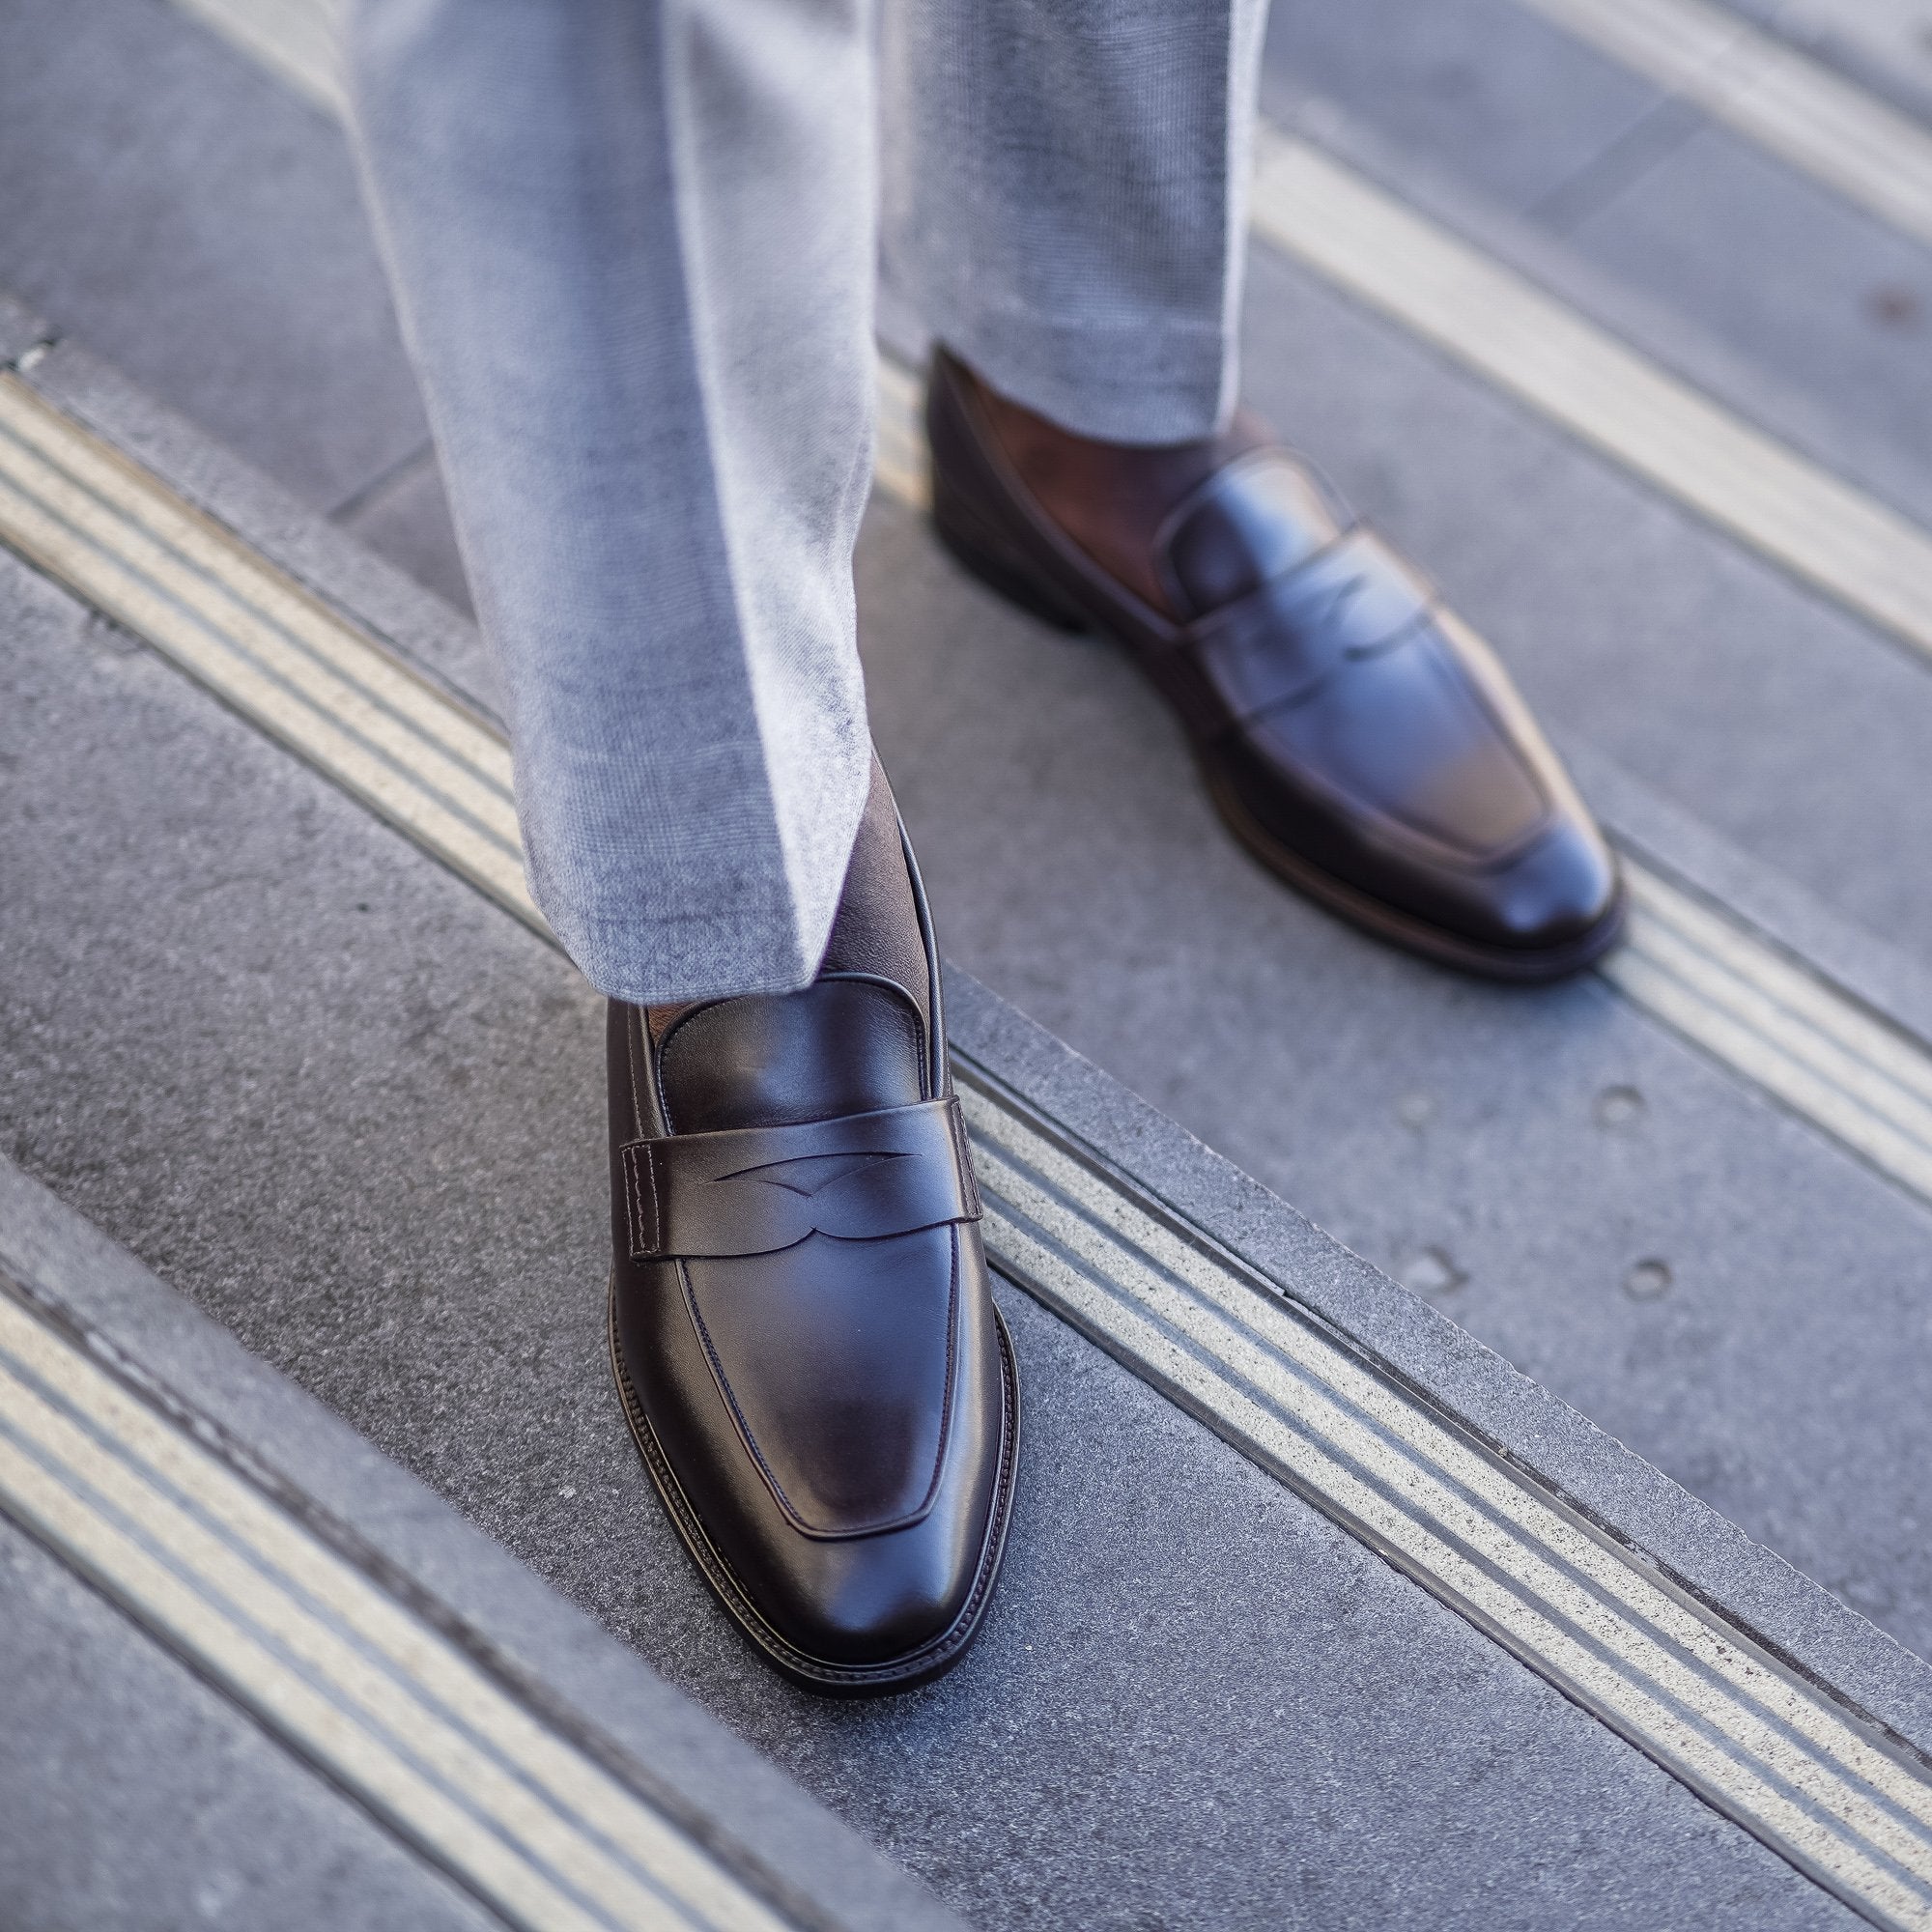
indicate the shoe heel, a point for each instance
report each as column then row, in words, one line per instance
column 1000, row 569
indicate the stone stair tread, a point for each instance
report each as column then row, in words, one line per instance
column 606, row 1744
column 307, row 1007
column 348, row 1109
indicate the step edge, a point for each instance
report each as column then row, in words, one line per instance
column 1536, row 1431
column 418, row 625
column 1679, row 344
column 759, row 1823
column 21, row 329
column 1741, row 1579
column 1879, row 974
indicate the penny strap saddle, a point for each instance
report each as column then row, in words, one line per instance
column 1274, row 645
column 754, row 1191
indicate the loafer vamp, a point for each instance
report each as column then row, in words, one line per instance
column 833, row 1359
column 1556, row 889
column 1401, row 774
column 1401, row 751
column 853, row 1597
column 1366, row 732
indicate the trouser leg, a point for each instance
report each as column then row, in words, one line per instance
column 1066, row 192
column 633, row 245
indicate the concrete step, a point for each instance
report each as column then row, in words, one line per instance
column 318, row 1698
column 340, row 1098
column 1880, row 45
column 1735, row 209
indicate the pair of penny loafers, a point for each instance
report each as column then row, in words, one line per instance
column 802, row 1327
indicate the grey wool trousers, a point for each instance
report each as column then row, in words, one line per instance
column 636, row 246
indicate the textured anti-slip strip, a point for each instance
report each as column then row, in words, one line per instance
column 1772, row 1019
column 1769, row 1750
column 261, row 642
column 1600, row 390
column 145, row 1503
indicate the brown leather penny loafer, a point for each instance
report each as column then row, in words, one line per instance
column 801, row 1328
column 1358, row 738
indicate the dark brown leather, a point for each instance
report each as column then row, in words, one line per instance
column 754, row 1190
column 802, row 1326
column 1358, row 737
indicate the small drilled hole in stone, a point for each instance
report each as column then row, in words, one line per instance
column 1430, row 1272
column 1647, row 1280
column 1415, row 1110
column 1892, row 306
column 1618, row 1106
column 115, row 637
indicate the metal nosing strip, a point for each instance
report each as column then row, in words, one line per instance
column 1756, row 85
column 380, row 1700
column 899, row 462
column 1770, row 1751
column 1809, row 1045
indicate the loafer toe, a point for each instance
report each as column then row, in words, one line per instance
column 880, row 1601
column 1563, row 893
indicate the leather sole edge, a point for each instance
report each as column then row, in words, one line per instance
column 1436, row 943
